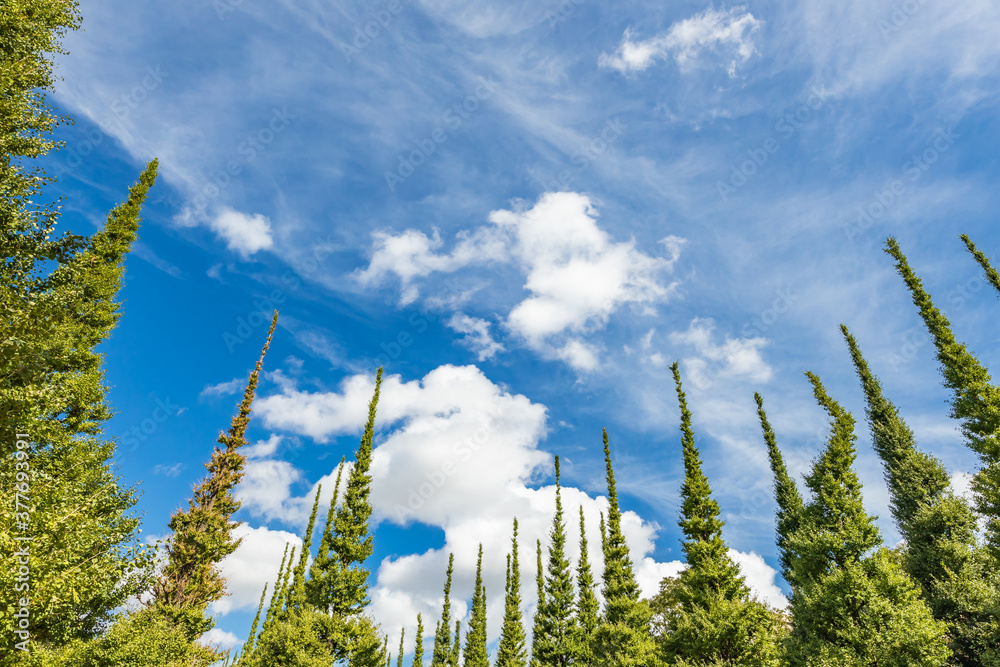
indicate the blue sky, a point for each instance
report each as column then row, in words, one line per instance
column 525, row 212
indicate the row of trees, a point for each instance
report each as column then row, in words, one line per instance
column 934, row 600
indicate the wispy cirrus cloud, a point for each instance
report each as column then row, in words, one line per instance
column 728, row 34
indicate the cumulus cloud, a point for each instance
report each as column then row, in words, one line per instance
column 478, row 337
column 575, row 274
column 254, row 563
column 724, row 32
column 262, row 448
column 462, row 454
column 732, row 357
column 760, row 577
column 412, row 254
column 243, row 233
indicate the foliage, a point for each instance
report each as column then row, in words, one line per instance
column 850, row 606
column 554, row 623
column 512, row 650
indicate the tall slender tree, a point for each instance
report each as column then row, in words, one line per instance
column 851, row 606
column 298, row 594
column 442, row 638
column 52, row 391
column 623, row 637
column 786, row 493
column 272, row 606
column 554, row 621
column 938, row 527
column 402, row 647
column 512, row 651
column 991, row 274
column 536, row 630
column 475, row 640
column 587, row 607
column 202, row 534
column 975, row 399
column 456, row 646
column 716, row 620
column 57, row 304
column 418, row 647
column 321, row 585
column 351, row 541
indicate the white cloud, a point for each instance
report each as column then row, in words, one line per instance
column 223, row 388
column 262, row 448
column 734, row 357
column 478, row 336
column 266, row 487
column 254, row 563
column 462, row 456
column 243, row 233
column 760, row 577
column 411, row 254
column 579, row 355
column 961, row 485
column 716, row 30
column 220, row 639
column 575, row 274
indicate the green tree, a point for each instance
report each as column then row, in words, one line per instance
column 587, row 607
column 554, row 619
column 351, row 541
column 849, row 607
column 475, row 640
column 536, row 631
column 418, row 647
column 86, row 556
column 623, row 638
column 991, row 274
column 402, row 648
column 975, row 400
column 456, row 646
column 321, row 585
column 786, row 493
column 938, row 526
column 297, row 597
column 442, row 638
column 512, row 650
column 57, row 303
column 202, row 534
column 333, row 600
column 715, row 620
